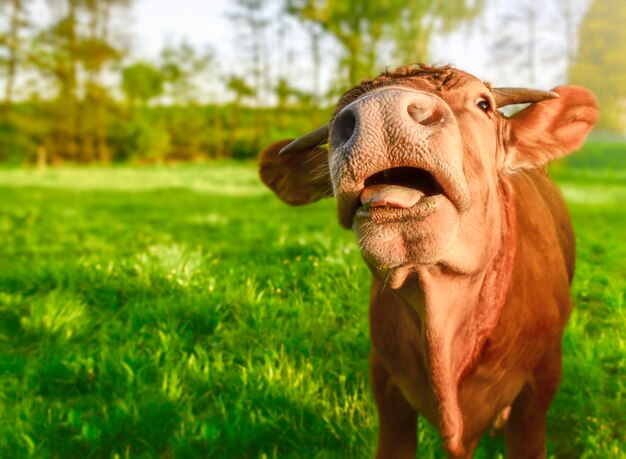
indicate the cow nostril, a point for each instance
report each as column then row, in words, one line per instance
column 343, row 128
column 425, row 115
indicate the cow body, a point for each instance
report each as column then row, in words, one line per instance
column 520, row 354
column 469, row 243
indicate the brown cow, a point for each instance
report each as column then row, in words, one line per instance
column 469, row 243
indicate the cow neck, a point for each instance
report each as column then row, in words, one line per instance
column 459, row 313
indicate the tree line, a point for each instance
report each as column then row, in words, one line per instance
column 74, row 90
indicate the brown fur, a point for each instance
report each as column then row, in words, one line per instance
column 469, row 323
column 297, row 179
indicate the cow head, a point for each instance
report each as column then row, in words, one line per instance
column 416, row 160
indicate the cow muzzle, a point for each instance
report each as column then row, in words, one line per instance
column 396, row 154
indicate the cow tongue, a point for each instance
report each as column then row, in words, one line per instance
column 390, row 196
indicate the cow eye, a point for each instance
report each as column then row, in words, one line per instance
column 483, row 104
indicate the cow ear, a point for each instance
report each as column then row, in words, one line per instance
column 550, row 129
column 297, row 178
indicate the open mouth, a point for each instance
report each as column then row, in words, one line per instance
column 408, row 177
column 399, row 193
column 399, row 187
column 402, row 194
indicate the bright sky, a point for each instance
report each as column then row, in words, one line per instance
column 203, row 23
column 156, row 22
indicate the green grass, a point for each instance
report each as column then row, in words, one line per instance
column 186, row 312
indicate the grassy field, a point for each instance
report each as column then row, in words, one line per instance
column 186, row 312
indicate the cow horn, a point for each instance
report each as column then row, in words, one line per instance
column 311, row 140
column 510, row 96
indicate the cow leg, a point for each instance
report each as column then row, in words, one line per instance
column 468, row 453
column 525, row 432
column 397, row 431
column 469, row 450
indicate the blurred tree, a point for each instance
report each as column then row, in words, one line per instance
column 11, row 42
column 284, row 50
column 315, row 35
column 142, row 82
column 571, row 13
column 360, row 26
column 283, row 91
column 95, row 50
column 54, row 53
column 187, row 78
column 601, row 63
column 533, row 38
column 12, row 141
column 250, row 17
column 522, row 43
column 74, row 53
column 412, row 33
column 183, row 66
column 242, row 91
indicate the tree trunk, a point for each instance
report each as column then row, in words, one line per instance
column 316, row 37
column 42, row 158
column 13, row 45
column 72, row 121
column 100, row 101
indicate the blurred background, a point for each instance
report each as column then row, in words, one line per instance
column 103, row 81
column 156, row 300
